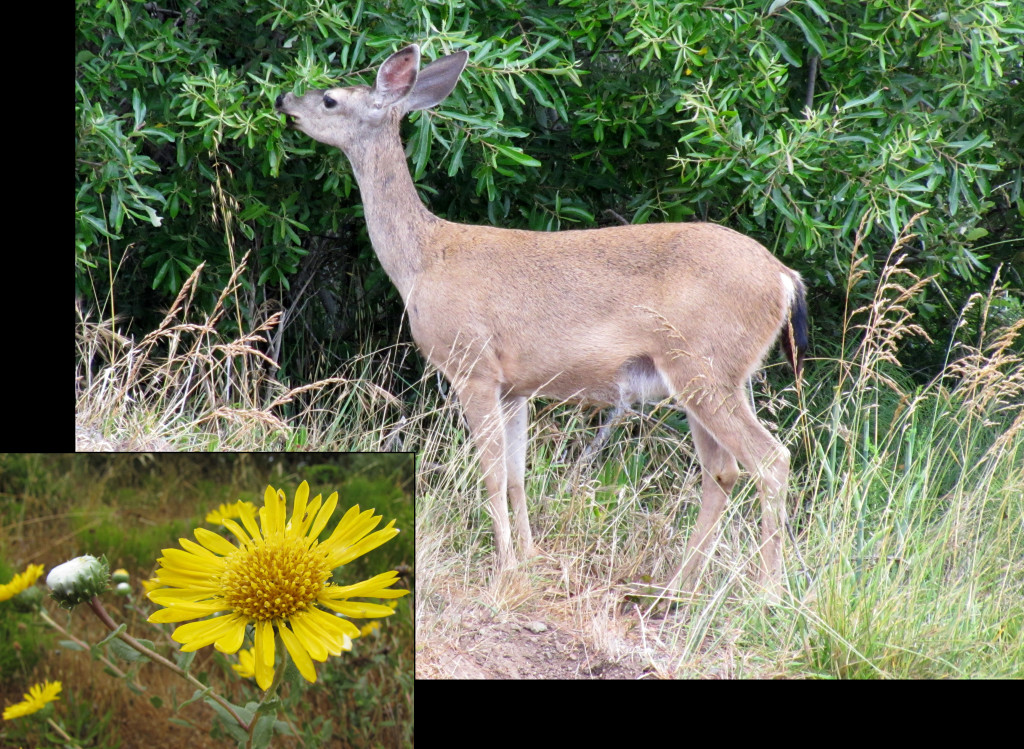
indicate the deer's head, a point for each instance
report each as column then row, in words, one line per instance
column 345, row 117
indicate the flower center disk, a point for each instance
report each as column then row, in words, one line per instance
column 275, row 579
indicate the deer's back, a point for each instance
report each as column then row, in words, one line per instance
column 553, row 311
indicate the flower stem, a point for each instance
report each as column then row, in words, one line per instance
column 45, row 616
column 63, row 734
column 97, row 606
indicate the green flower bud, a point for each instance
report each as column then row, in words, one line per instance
column 120, row 576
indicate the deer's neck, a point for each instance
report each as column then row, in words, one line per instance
column 396, row 218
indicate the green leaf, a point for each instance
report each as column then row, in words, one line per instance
column 228, row 722
column 541, row 51
column 120, row 649
column 818, row 10
column 964, row 146
column 138, row 108
column 99, row 225
column 515, row 154
column 121, row 628
column 810, row 33
column 421, row 149
column 785, row 50
column 869, row 99
column 116, row 218
column 263, row 732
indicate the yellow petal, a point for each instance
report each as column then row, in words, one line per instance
column 204, row 592
column 186, row 561
column 215, row 542
column 359, row 610
column 265, row 643
column 244, row 540
column 249, row 521
column 272, row 513
column 197, row 635
column 264, row 647
column 322, row 633
column 323, row 516
column 232, row 640
column 352, row 527
column 335, row 623
column 174, row 596
column 312, row 640
column 264, row 674
column 200, row 552
column 299, row 507
column 337, row 558
column 181, row 612
column 298, row 653
column 246, row 666
column 311, row 511
column 395, row 593
column 180, row 582
column 374, row 587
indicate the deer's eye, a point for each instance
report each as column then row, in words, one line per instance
column 329, row 103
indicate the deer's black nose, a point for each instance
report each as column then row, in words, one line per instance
column 279, row 100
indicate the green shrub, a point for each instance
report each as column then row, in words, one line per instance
column 798, row 123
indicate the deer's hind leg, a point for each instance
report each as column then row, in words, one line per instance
column 728, row 426
column 719, row 472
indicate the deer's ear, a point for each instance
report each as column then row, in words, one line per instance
column 397, row 75
column 436, row 81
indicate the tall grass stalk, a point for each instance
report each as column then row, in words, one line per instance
column 913, row 544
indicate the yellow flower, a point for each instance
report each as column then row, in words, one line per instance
column 36, row 698
column 278, row 579
column 229, row 510
column 246, row 666
column 21, row 581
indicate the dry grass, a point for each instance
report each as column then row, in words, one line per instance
column 182, row 387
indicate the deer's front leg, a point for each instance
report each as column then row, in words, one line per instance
column 481, row 403
column 516, row 419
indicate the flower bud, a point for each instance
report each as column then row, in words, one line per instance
column 120, row 575
column 79, row 580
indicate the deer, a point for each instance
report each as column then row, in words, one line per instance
column 682, row 313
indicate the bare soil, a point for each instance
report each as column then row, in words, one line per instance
column 518, row 648
column 528, row 627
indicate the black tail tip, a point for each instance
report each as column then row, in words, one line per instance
column 794, row 334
